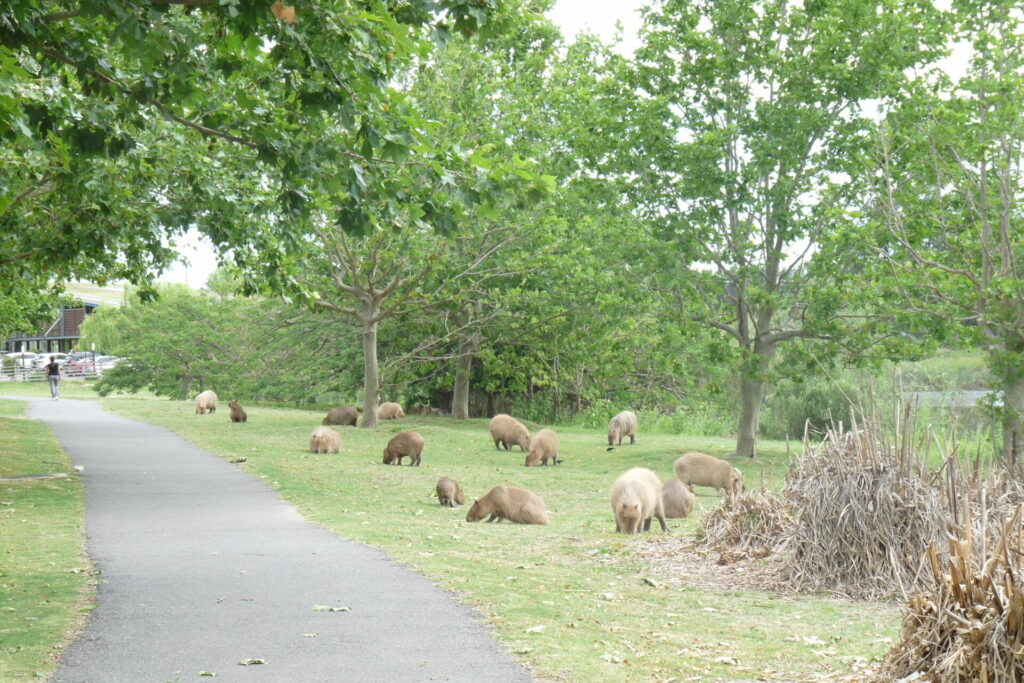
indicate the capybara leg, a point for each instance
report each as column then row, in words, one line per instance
column 632, row 440
column 647, row 524
column 664, row 527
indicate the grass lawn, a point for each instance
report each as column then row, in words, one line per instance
column 571, row 598
column 45, row 580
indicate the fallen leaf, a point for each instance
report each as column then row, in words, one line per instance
column 207, row 673
column 327, row 608
column 250, row 662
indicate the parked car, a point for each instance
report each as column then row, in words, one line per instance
column 43, row 359
column 23, row 359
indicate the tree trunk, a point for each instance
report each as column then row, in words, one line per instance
column 371, row 382
column 463, row 371
column 751, row 400
column 1013, row 428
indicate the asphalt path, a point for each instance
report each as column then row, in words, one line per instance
column 202, row 566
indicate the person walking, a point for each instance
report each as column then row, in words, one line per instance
column 53, row 374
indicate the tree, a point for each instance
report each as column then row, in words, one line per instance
column 744, row 120
column 124, row 123
column 948, row 178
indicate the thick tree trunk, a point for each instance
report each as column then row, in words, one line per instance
column 371, row 382
column 1013, row 426
column 751, row 400
column 463, row 371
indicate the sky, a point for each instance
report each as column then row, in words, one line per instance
column 573, row 16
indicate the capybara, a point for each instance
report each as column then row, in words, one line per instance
column 324, row 440
column 342, row 415
column 636, row 497
column 389, row 411
column 206, row 402
column 449, row 492
column 623, row 424
column 702, row 469
column 508, row 431
column 238, row 413
column 404, row 444
column 515, row 505
column 543, row 445
column 676, row 498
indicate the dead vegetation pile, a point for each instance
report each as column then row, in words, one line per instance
column 864, row 512
column 745, row 525
column 968, row 624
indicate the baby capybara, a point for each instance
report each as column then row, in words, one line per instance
column 404, row 444
column 515, row 505
column 238, row 413
column 342, row 415
column 449, row 492
column 677, row 498
column 623, row 424
column 389, row 411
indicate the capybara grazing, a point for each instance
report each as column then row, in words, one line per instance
column 449, row 492
column 636, row 497
column 238, row 413
column 508, row 431
column 206, row 402
column 515, row 505
column 389, row 411
column 404, row 444
column 677, row 498
column 623, row 424
column 543, row 445
column 342, row 415
column 702, row 469
column 324, row 440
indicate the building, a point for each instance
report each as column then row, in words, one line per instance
column 62, row 333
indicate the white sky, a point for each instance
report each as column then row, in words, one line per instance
column 597, row 16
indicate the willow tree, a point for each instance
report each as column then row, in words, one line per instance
column 744, row 121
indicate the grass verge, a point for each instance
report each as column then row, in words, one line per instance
column 573, row 598
column 45, row 582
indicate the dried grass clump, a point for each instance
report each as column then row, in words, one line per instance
column 750, row 523
column 864, row 513
column 968, row 625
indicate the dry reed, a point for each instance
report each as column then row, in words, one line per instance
column 748, row 523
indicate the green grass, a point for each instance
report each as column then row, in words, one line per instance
column 569, row 598
column 45, row 580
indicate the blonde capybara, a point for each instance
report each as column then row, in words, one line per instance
column 206, row 402
column 622, row 425
column 449, row 492
column 404, row 444
column 515, row 505
column 389, row 411
column 342, row 415
column 543, row 446
column 508, row 431
column 238, row 413
column 677, row 499
column 701, row 469
column 636, row 498
column 324, row 440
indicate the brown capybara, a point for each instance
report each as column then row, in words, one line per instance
column 342, row 415
column 543, row 445
column 449, row 492
column 404, row 444
column 623, row 424
column 515, row 505
column 636, row 497
column 206, row 402
column 324, row 440
column 702, row 469
column 508, row 431
column 677, row 498
column 389, row 411
column 238, row 413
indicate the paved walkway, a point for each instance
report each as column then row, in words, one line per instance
column 203, row 566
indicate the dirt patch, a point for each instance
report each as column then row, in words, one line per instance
column 684, row 561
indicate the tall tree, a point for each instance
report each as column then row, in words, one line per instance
column 948, row 178
column 123, row 123
column 744, row 119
